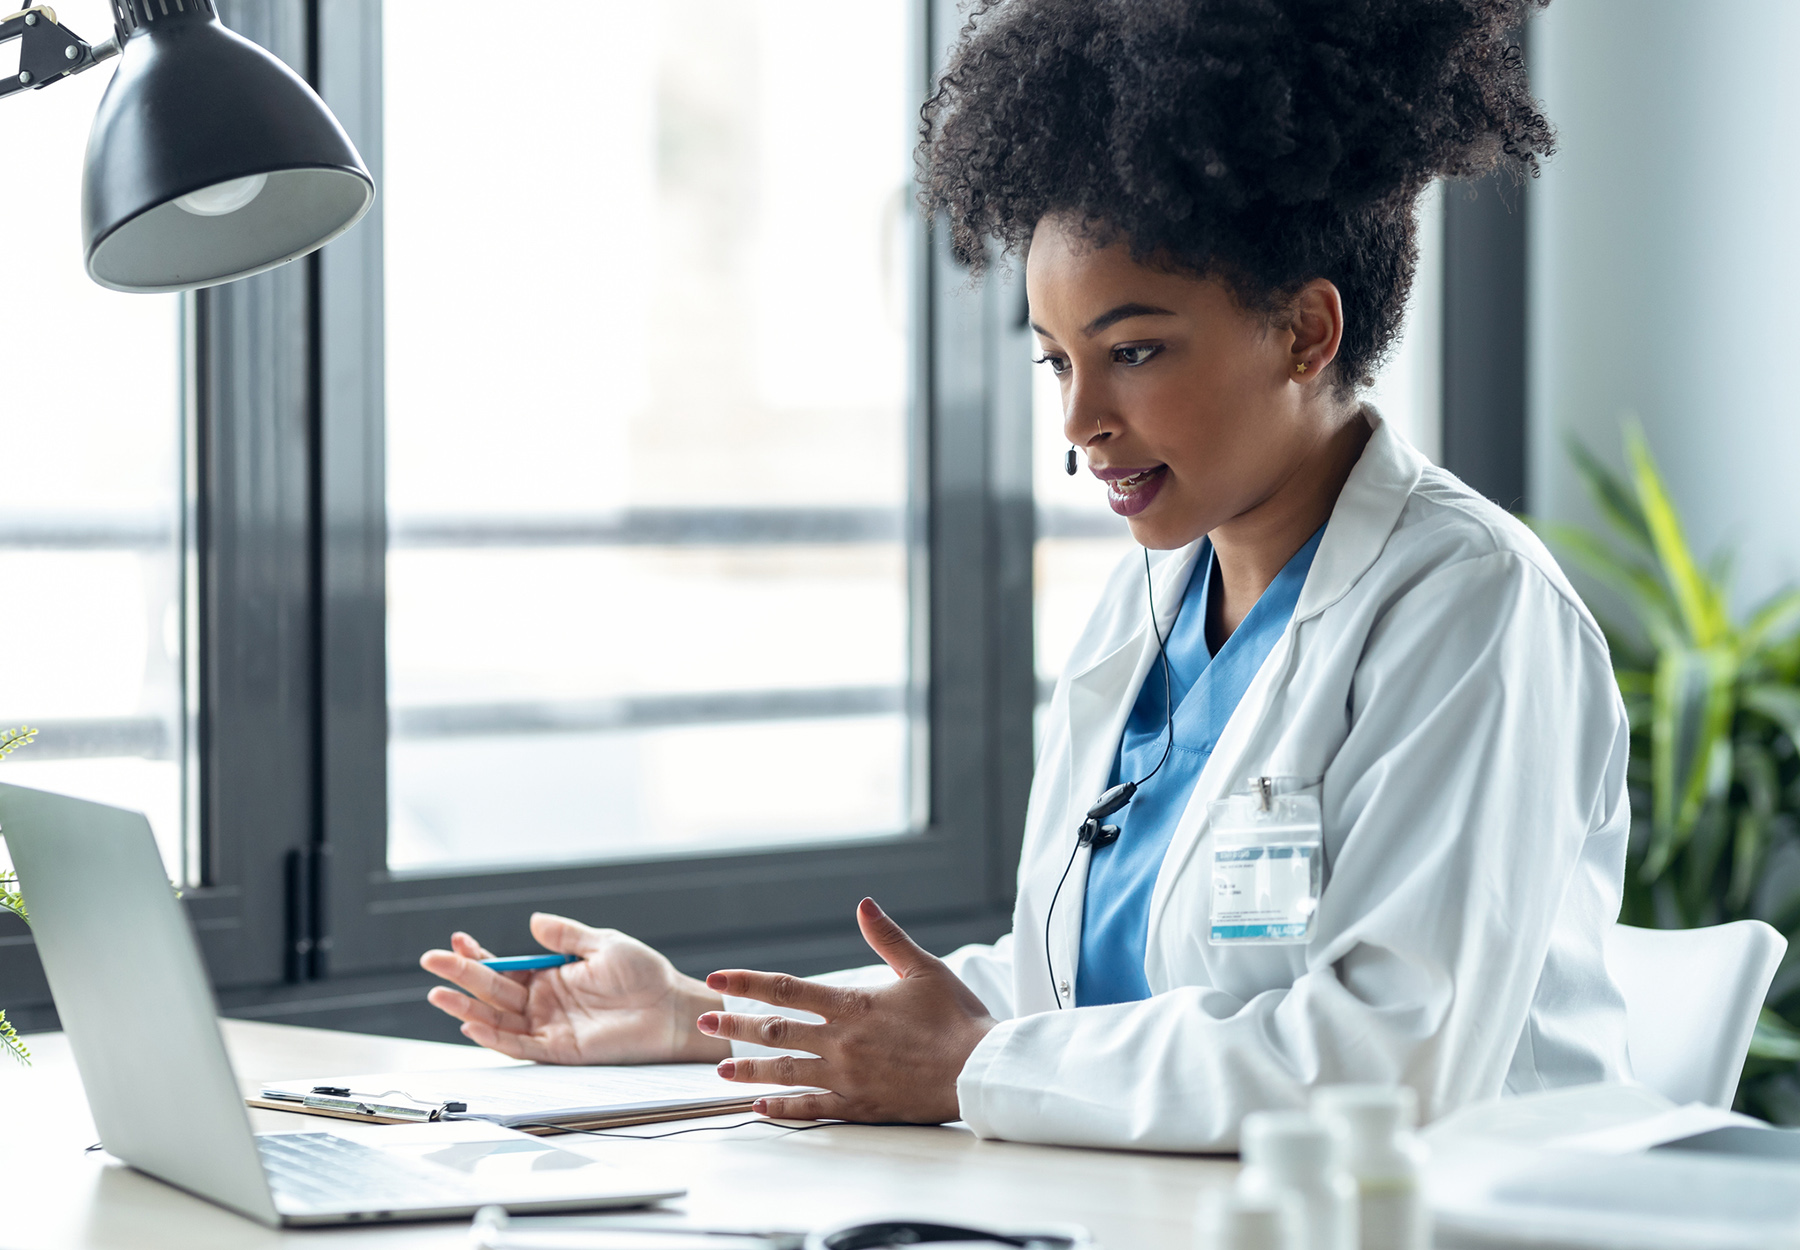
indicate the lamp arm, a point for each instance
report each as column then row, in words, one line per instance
column 49, row 51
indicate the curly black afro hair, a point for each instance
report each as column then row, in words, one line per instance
column 1262, row 142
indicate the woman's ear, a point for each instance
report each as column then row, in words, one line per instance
column 1316, row 321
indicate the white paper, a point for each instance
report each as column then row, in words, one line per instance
column 1494, row 1192
column 532, row 1091
column 1671, row 1125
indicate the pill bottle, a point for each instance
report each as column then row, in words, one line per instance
column 1231, row 1219
column 1386, row 1159
column 1298, row 1152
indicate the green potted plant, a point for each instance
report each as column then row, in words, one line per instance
column 1714, row 707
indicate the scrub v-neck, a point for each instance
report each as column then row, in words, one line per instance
column 1206, row 690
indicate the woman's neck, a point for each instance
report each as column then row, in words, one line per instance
column 1254, row 546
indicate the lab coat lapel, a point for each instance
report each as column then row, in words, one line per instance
column 1100, row 700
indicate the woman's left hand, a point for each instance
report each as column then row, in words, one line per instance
column 887, row 1055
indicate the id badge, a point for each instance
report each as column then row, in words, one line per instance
column 1267, row 863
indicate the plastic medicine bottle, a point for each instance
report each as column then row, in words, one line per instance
column 1233, row 1220
column 1385, row 1158
column 1297, row 1152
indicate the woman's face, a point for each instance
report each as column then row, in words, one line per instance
column 1190, row 408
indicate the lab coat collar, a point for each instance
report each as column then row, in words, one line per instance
column 1366, row 511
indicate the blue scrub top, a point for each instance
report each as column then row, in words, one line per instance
column 1115, row 917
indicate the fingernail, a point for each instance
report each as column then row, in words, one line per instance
column 708, row 1023
column 760, row 1106
column 728, row 1068
column 715, row 981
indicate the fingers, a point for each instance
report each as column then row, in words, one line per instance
column 468, row 947
column 775, row 1031
column 803, row 1107
column 887, row 939
column 776, row 1070
column 778, row 989
column 565, row 936
column 513, row 1045
column 465, row 1008
column 483, row 982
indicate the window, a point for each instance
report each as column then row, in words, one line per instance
column 647, row 377
column 91, row 504
column 661, row 580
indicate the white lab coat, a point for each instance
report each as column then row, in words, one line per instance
column 1457, row 698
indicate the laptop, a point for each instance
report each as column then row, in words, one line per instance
column 139, row 1014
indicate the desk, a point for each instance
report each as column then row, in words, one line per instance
column 56, row 1196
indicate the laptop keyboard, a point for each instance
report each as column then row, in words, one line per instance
column 322, row 1170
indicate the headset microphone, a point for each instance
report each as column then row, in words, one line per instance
column 1069, row 461
column 1095, row 834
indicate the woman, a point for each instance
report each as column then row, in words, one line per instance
column 1216, row 201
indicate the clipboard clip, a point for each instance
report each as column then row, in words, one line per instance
column 344, row 1101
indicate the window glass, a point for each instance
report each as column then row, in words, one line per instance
column 646, row 421
column 1080, row 540
column 90, row 488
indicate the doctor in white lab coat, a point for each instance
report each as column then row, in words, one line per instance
column 1217, row 255
column 1453, row 693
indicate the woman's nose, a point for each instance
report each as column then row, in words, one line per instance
column 1084, row 412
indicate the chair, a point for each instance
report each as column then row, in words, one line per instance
column 1691, row 1001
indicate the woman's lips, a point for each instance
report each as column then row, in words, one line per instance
column 1131, row 494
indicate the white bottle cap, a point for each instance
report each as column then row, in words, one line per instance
column 1369, row 1112
column 1289, row 1143
column 1236, row 1220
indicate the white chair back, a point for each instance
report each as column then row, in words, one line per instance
column 1691, row 1001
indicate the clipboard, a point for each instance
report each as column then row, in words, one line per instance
column 533, row 1098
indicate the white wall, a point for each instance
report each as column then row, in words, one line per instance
column 1665, row 262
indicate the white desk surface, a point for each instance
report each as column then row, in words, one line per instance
column 57, row 1196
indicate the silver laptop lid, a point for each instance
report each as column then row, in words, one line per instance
column 133, row 996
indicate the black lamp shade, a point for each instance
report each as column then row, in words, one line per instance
column 194, row 106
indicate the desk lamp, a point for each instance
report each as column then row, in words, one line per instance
column 209, row 160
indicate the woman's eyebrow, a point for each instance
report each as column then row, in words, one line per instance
column 1120, row 313
column 1106, row 319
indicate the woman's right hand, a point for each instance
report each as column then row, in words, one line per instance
column 623, row 1003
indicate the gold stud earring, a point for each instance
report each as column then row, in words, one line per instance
column 1301, row 367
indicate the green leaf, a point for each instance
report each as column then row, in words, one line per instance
column 1777, row 617
column 1690, row 744
column 1612, row 495
column 12, row 739
column 1701, row 602
column 1779, row 703
column 1761, row 781
column 1774, row 1038
column 10, row 1043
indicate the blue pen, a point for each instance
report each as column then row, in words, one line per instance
column 524, row 963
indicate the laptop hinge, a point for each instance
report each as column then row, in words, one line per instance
column 308, row 943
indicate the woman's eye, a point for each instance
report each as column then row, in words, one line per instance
column 1059, row 365
column 1134, row 354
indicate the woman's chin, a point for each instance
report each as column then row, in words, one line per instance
column 1164, row 529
